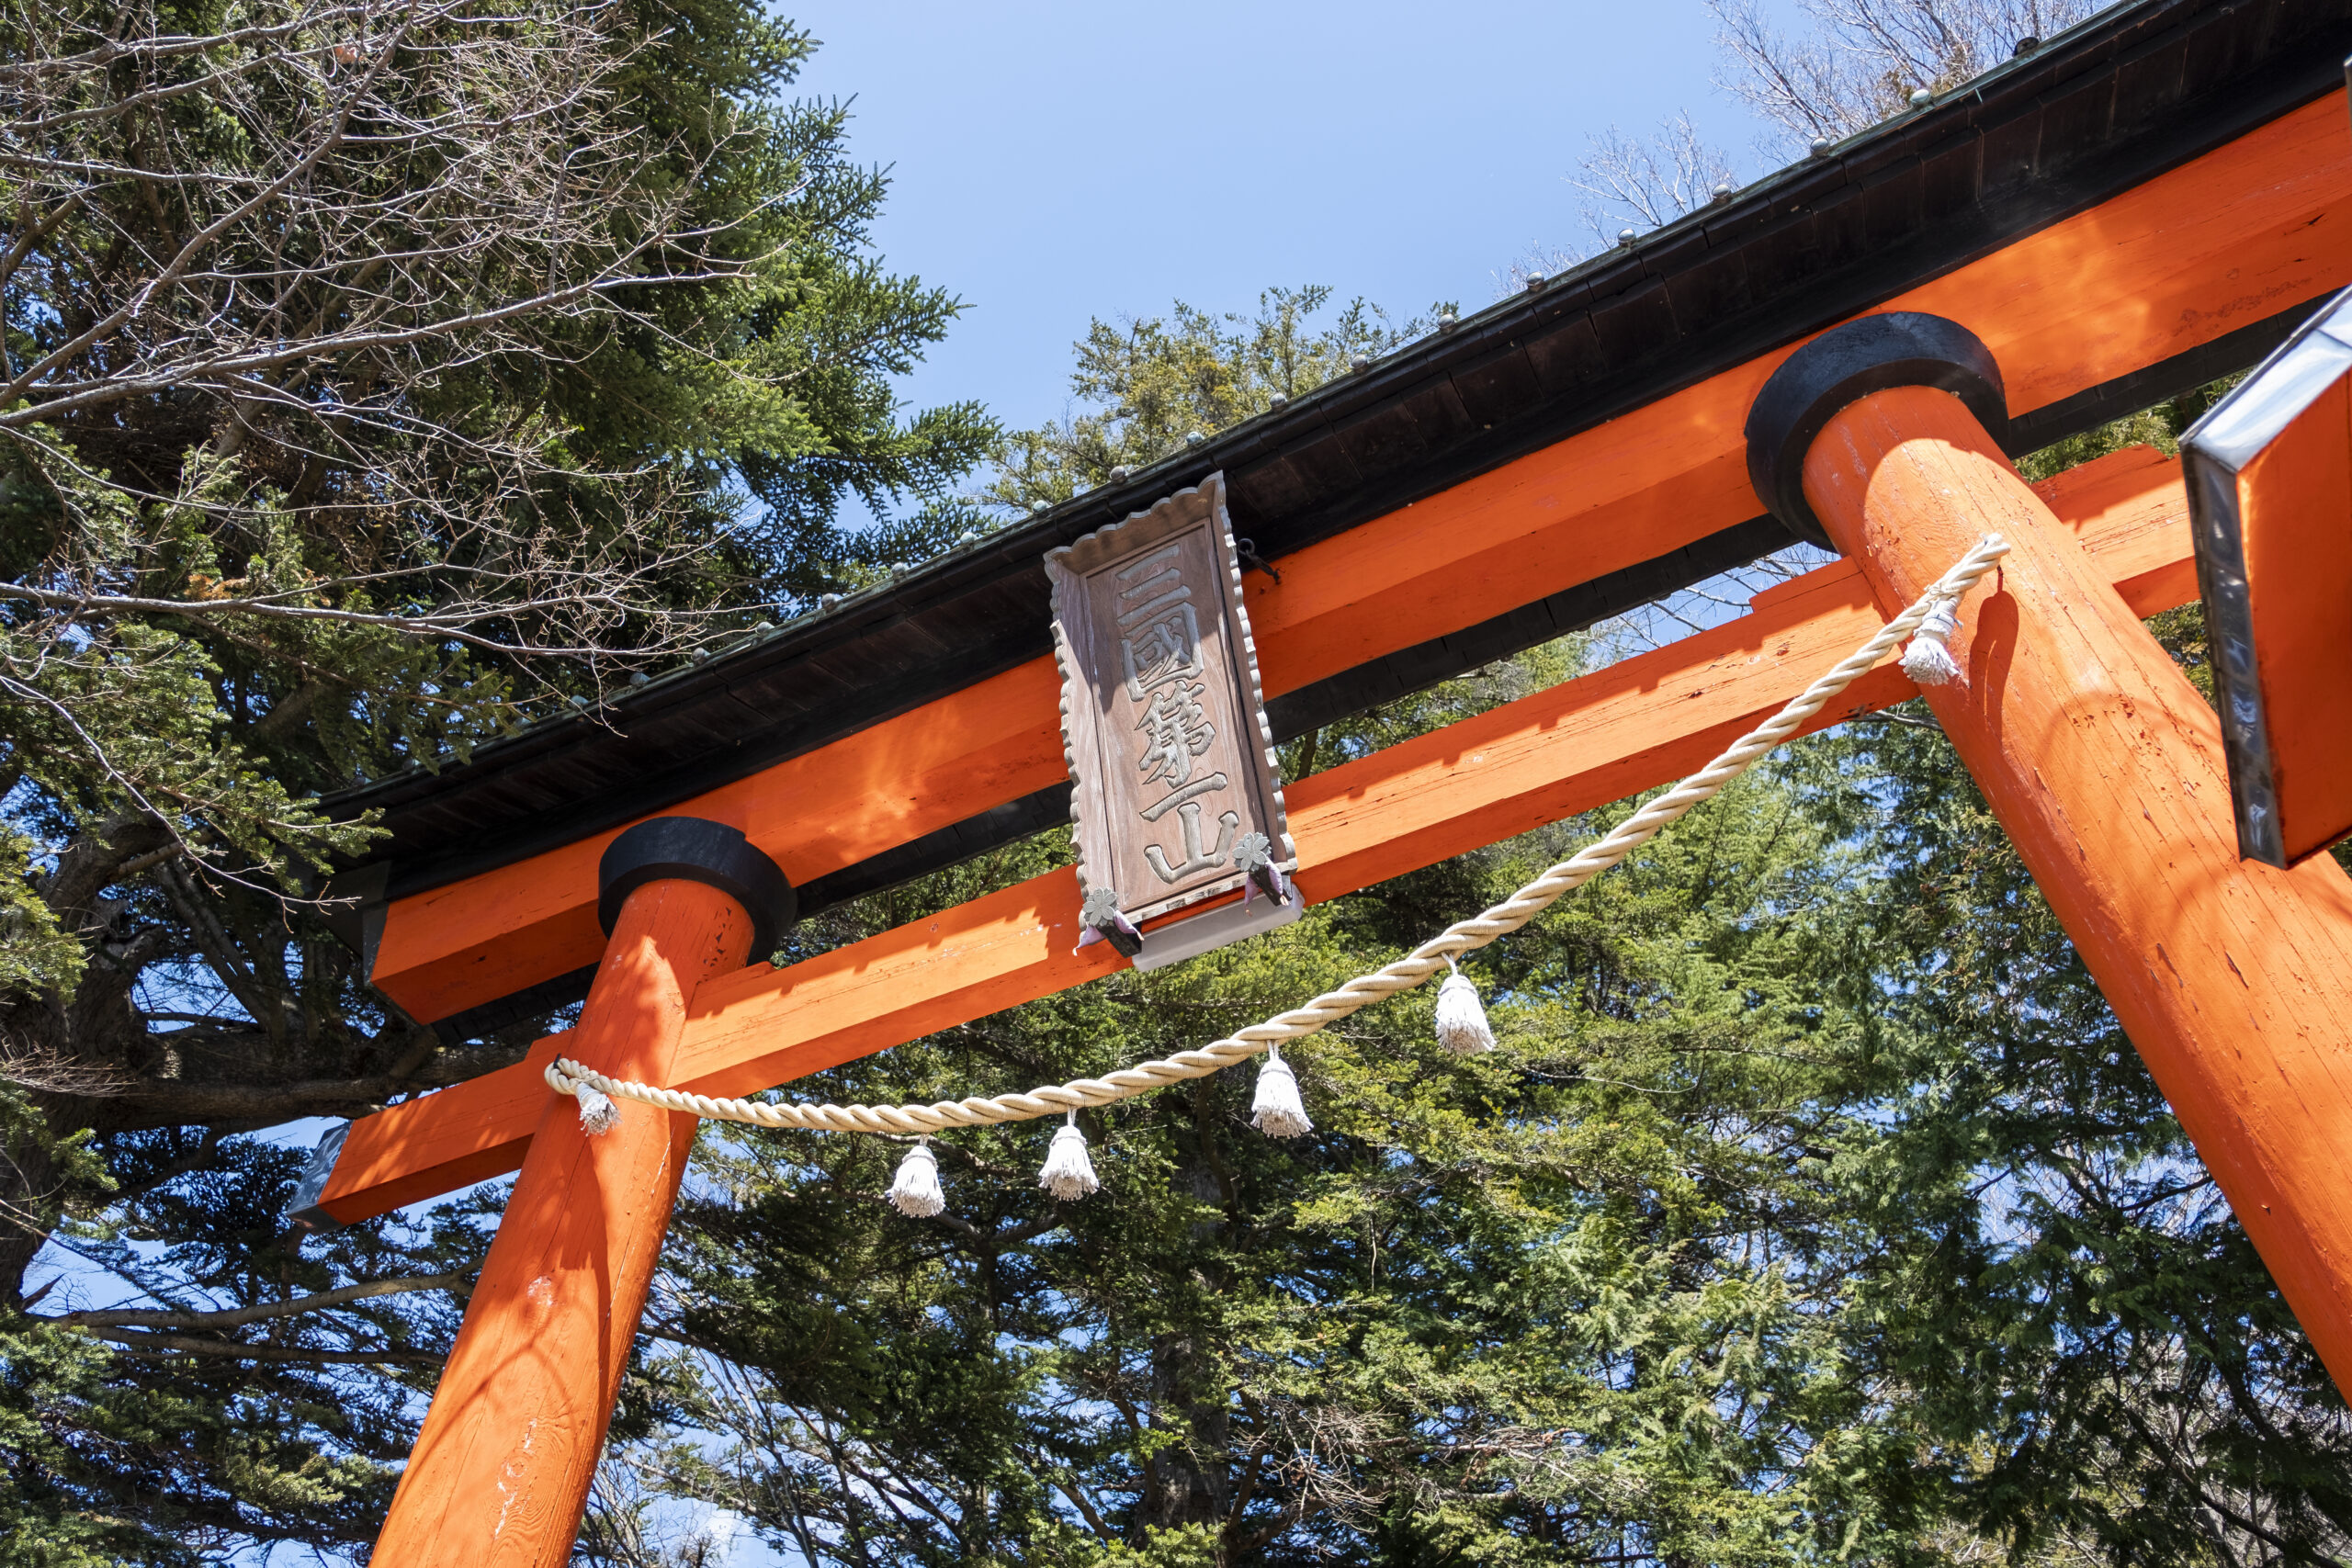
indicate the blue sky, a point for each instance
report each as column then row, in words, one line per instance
column 1054, row 163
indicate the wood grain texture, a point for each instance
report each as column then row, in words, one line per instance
column 2212, row 245
column 501, row 1468
column 2105, row 766
column 1585, row 742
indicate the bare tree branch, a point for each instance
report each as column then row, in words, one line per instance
column 142, row 1344
column 458, row 192
column 1864, row 57
column 320, row 1300
column 1647, row 183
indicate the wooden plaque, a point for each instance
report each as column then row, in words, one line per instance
column 1171, row 758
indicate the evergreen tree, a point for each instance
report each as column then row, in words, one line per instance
column 1145, row 385
column 374, row 378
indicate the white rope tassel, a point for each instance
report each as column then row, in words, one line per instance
column 1461, row 1020
column 1278, row 1111
column 1928, row 659
column 915, row 1191
column 598, row 1114
column 1068, row 1173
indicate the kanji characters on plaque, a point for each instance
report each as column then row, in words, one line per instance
column 1176, row 800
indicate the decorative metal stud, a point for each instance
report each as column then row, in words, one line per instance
column 1535, row 283
column 1821, row 146
column 1922, row 99
column 1359, row 360
column 1626, row 237
column 1724, row 191
column 1278, row 400
column 1253, row 856
column 1194, row 438
column 1446, row 321
column 1039, row 508
column 1103, row 922
column 827, row 601
column 1119, row 474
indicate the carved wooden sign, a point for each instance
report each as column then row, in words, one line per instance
column 1176, row 797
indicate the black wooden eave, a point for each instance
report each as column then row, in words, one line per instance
column 2106, row 107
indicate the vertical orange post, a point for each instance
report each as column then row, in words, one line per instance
column 500, row 1472
column 2233, row 978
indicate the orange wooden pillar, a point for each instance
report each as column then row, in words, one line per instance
column 2233, row 978
column 500, row 1474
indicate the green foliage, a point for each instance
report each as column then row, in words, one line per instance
column 36, row 954
column 414, row 435
column 54, row 1395
column 1813, row 1207
column 1154, row 382
column 121, row 1434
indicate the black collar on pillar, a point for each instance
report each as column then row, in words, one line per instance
column 684, row 848
column 691, row 849
column 1868, row 353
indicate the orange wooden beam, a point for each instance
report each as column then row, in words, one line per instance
column 1583, row 743
column 2221, row 243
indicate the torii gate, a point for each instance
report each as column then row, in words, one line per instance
column 2155, row 198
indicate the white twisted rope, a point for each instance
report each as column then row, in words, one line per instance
column 568, row 1076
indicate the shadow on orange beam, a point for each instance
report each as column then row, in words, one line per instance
column 2223, row 242
column 1579, row 745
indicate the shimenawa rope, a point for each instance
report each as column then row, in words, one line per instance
column 568, row 1076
